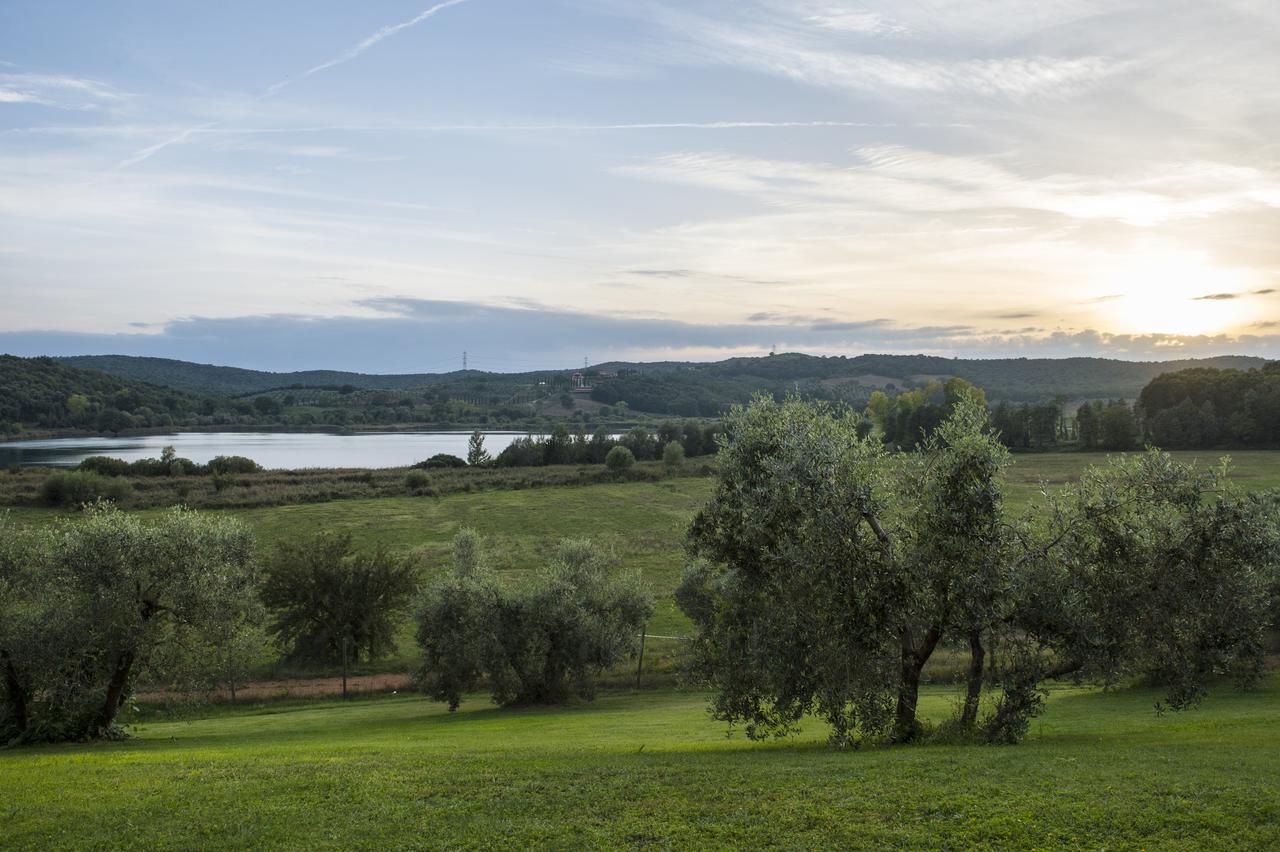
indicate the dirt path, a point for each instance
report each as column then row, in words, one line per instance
column 319, row 687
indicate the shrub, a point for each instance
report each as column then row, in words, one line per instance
column 230, row 465
column 620, row 459
column 416, row 480
column 104, row 466
column 75, row 488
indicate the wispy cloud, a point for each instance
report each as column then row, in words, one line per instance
column 906, row 179
column 800, row 42
column 1226, row 297
column 57, row 90
column 364, row 44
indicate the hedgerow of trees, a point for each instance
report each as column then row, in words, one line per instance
column 829, row 570
column 563, row 447
column 1207, row 408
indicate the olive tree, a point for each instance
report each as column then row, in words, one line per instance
column 1153, row 567
column 828, row 572
column 456, row 626
column 795, row 589
column 92, row 604
column 538, row 643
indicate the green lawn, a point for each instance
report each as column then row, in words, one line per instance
column 650, row 769
column 647, row 768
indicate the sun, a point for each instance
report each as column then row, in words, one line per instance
column 1178, row 293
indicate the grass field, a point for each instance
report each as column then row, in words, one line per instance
column 650, row 769
column 644, row 522
column 644, row 768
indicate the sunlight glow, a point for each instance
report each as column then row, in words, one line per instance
column 1174, row 293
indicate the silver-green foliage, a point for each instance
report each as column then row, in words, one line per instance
column 539, row 643
column 829, row 570
column 1154, row 567
column 90, row 605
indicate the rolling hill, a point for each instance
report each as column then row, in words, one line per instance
column 656, row 386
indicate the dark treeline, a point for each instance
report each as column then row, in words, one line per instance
column 563, row 447
column 1209, row 408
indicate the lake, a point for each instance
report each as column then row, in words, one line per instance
column 269, row 449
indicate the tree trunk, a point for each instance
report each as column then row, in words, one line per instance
column 15, row 695
column 973, row 695
column 115, row 691
column 906, row 727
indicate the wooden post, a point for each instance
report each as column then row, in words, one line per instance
column 640, row 664
column 231, row 670
column 344, row 668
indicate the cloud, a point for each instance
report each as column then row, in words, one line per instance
column 57, row 90
column 1224, row 297
column 364, row 44
column 410, row 335
column 894, row 176
column 792, row 42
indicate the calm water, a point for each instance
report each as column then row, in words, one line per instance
column 269, row 449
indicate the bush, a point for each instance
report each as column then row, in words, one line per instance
column 416, row 480
column 104, row 466
column 76, row 488
column 620, row 460
column 230, row 465
column 440, row 460
column 537, row 644
column 672, row 455
column 170, row 466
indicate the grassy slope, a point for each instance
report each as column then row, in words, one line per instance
column 652, row 769
column 643, row 522
column 1097, row 770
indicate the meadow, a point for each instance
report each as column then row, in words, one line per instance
column 523, row 512
column 640, row 767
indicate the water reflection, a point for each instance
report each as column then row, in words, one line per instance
column 269, row 449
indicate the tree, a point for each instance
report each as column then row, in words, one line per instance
column 477, row 455
column 672, row 455
column 1117, row 428
column 323, row 592
column 538, row 643
column 456, row 623
column 619, row 460
column 829, row 571
column 90, row 605
column 1157, row 568
column 792, row 587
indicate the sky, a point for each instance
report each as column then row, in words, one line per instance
column 382, row 186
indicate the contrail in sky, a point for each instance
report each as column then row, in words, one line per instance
column 352, row 52
column 346, row 56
